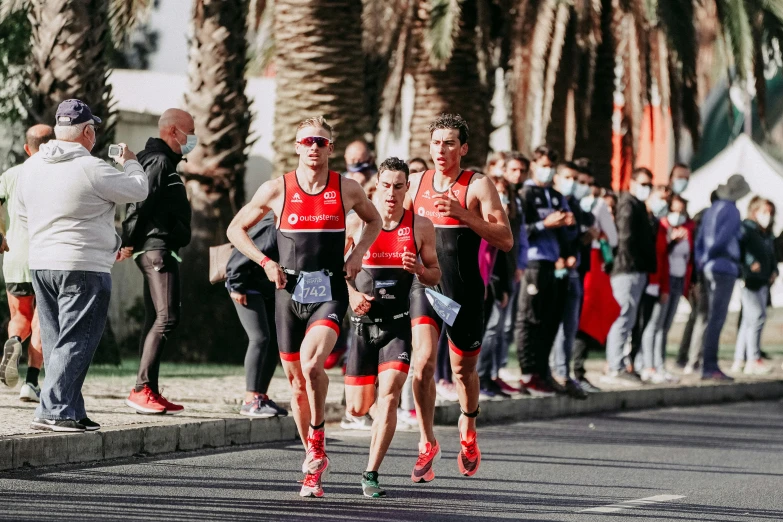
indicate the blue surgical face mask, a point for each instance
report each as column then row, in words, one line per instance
column 566, row 187
column 544, row 174
column 642, row 192
column 504, row 199
column 679, row 185
column 586, row 203
column 190, row 144
column 581, row 190
column 676, row 219
column 659, row 207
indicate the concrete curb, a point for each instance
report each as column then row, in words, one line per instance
column 122, row 442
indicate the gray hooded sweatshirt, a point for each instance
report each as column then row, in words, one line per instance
column 66, row 200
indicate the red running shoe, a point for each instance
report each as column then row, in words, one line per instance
column 171, row 408
column 422, row 471
column 538, row 387
column 311, row 486
column 334, row 358
column 469, row 457
column 506, row 387
column 316, row 460
column 146, row 402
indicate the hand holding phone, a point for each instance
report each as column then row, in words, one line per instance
column 121, row 153
column 115, row 151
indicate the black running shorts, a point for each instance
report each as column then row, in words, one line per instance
column 378, row 347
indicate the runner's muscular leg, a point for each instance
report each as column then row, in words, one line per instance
column 35, row 349
column 359, row 399
column 22, row 310
column 467, row 383
column 425, row 353
column 384, row 424
column 300, row 404
column 316, row 347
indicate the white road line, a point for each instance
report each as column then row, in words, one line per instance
column 629, row 504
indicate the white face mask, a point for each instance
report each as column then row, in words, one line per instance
column 763, row 219
column 676, row 219
column 581, row 190
column 566, row 187
column 586, row 203
column 642, row 192
column 544, row 174
column 679, row 185
column 658, row 206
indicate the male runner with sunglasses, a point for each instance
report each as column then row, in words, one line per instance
column 310, row 205
column 465, row 208
column 380, row 302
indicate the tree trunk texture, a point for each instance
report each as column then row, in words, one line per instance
column 557, row 111
column 457, row 88
column 320, row 71
column 69, row 40
column 523, row 25
column 215, row 171
column 597, row 143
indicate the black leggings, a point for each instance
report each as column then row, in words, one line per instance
column 258, row 320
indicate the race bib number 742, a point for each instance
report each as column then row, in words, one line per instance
column 312, row 287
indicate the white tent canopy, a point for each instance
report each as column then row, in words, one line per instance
column 763, row 173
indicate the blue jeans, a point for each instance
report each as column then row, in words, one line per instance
column 657, row 330
column 566, row 334
column 720, row 288
column 72, row 309
column 754, row 315
column 627, row 290
column 490, row 356
column 509, row 318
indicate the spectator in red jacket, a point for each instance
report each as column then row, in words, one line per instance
column 676, row 235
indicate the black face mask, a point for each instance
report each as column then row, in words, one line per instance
column 358, row 167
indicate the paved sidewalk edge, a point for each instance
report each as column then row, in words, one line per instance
column 122, row 442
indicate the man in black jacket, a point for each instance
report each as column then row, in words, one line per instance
column 635, row 259
column 153, row 232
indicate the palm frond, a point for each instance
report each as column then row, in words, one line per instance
column 256, row 14
column 398, row 65
column 9, row 7
column 542, row 36
column 735, row 25
column 677, row 19
column 124, row 16
column 442, row 30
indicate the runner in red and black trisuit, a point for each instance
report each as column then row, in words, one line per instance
column 380, row 306
column 310, row 204
column 464, row 207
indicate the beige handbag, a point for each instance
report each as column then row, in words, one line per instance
column 218, row 259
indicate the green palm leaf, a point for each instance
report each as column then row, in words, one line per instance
column 442, row 30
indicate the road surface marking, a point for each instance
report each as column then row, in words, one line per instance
column 629, row 504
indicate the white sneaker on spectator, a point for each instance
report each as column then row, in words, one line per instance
column 507, row 375
column 737, row 366
column 669, row 378
column 688, row 370
column 349, row 422
column 30, row 393
column 446, row 391
column 620, row 378
column 408, row 417
column 652, row 376
column 757, row 368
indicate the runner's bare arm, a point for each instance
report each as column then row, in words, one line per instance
column 414, row 180
column 356, row 200
column 428, row 269
column 491, row 222
column 353, row 226
column 266, row 199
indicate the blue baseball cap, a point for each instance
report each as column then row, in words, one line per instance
column 74, row 112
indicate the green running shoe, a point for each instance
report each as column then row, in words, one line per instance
column 370, row 486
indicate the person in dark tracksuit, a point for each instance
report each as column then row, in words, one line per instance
column 541, row 295
column 153, row 232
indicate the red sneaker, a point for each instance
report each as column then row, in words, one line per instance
column 316, row 461
column 506, row 387
column 334, row 358
column 146, row 401
column 538, row 387
column 171, row 408
column 422, row 471
column 469, row 457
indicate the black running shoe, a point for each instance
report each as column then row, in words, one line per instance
column 60, row 425
column 89, row 425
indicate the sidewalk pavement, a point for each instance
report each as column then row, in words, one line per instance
column 211, row 418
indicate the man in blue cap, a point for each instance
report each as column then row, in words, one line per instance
column 66, row 201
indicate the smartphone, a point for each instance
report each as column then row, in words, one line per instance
column 115, row 151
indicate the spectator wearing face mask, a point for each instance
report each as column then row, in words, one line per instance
column 718, row 258
column 675, row 245
column 359, row 162
column 679, row 178
column 657, row 289
column 634, row 261
column 759, row 271
column 542, row 293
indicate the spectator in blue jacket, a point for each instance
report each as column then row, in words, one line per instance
column 542, row 293
column 718, row 258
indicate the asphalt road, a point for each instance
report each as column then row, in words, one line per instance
column 719, row 463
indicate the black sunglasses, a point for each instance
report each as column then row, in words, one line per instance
column 318, row 140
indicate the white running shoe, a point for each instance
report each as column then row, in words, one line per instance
column 30, row 393
column 737, row 366
column 406, row 420
column 9, row 365
column 757, row 368
column 349, row 422
column 446, row 391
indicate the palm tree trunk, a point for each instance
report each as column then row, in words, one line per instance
column 456, row 88
column 69, row 40
column 215, row 173
column 320, row 71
